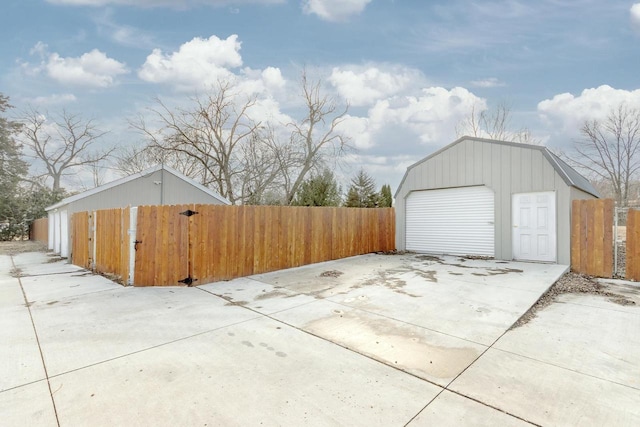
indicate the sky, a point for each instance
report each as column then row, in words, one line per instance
column 409, row 70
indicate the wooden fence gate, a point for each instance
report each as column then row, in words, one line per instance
column 196, row 244
column 592, row 237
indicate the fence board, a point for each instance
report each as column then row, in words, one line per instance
column 633, row 245
column 592, row 237
column 39, row 230
column 80, row 239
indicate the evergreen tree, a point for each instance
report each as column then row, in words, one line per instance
column 362, row 192
column 386, row 199
column 318, row 190
column 12, row 170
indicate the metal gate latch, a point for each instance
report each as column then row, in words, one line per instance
column 188, row 212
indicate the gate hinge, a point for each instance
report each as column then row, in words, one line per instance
column 188, row 281
column 188, row 212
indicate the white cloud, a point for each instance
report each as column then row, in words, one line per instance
column 125, row 35
column 91, row 69
column 397, row 123
column 199, row 62
column 569, row 111
column 54, row 99
column 361, row 85
column 487, row 83
column 177, row 4
column 635, row 15
column 334, row 10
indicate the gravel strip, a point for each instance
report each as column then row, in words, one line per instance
column 570, row 283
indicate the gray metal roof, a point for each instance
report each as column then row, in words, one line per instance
column 129, row 178
column 570, row 176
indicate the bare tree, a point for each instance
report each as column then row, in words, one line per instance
column 610, row 150
column 493, row 124
column 217, row 141
column 131, row 160
column 315, row 139
column 213, row 133
column 63, row 144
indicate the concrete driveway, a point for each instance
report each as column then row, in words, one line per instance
column 369, row 340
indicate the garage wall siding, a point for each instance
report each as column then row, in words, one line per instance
column 505, row 169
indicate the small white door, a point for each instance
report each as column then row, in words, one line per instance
column 534, row 226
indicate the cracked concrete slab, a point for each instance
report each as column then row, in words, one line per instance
column 28, row 405
column 257, row 372
column 546, row 394
column 100, row 326
column 609, row 350
column 450, row 409
column 433, row 356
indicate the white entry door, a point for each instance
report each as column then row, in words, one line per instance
column 534, row 226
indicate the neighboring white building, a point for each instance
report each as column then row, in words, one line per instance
column 159, row 185
column 490, row 198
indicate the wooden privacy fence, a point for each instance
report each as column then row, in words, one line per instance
column 197, row 244
column 39, row 230
column 633, row 245
column 592, row 237
column 100, row 241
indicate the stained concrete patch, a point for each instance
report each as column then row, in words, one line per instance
column 450, row 409
column 213, row 379
column 29, row 405
column 548, row 395
column 262, row 297
column 436, row 357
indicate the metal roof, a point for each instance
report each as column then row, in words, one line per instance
column 135, row 176
column 570, row 176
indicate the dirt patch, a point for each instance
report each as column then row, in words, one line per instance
column 395, row 284
column 20, row 246
column 498, row 271
column 571, row 283
column 430, row 258
column 271, row 294
column 15, row 272
column 331, row 273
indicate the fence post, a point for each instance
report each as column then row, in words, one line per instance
column 131, row 232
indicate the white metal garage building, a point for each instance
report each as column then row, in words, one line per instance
column 159, row 185
column 489, row 198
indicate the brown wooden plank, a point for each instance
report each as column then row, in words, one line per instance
column 633, row 245
column 575, row 235
column 583, row 237
column 591, row 242
column 608, row 241
column 597, row 234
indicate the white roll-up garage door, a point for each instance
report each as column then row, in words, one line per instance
column 457, row 221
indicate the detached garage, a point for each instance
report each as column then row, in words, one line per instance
column 489, row 198
column 159, row 185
